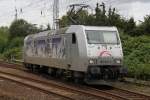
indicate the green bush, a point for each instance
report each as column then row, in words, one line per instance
column 137, row 55
column 15, row 42
column 3, row 38
column 12, row 49
column 14, row 53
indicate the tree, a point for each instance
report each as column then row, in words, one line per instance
column 130, row 26
column 80, row 18
column 21, row 28
column 101, row 18
column 146, row 25
column 141, row 29
column 3, row 38
column 64, row 21
column 90, row 20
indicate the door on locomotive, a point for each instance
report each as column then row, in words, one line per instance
column 71, row 49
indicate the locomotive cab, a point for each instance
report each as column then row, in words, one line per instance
column 99, row 52
column 104, row 52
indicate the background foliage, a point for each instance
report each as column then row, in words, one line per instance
column 11, row 39
column 135, row 38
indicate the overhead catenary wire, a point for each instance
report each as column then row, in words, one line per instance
column 42, row 7
column 27, row 6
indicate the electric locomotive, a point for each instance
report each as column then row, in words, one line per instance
column 90, row 53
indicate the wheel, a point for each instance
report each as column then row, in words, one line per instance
column 59, row 73
column 52, row 72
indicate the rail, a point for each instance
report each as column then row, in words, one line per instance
column 114, row 94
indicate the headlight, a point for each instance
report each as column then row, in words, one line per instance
column 93, row 61
column 118, row 61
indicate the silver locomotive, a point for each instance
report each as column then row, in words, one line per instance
column 89, row 53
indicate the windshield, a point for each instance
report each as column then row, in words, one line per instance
column 98, row 36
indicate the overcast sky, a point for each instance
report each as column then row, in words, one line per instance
column 31, row 9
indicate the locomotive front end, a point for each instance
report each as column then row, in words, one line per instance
column 104, row 52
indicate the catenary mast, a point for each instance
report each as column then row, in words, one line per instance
column 56, row 14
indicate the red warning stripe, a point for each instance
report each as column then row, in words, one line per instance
column 105, row 53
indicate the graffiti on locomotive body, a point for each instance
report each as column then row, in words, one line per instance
column 58, row 47
column 51, row 47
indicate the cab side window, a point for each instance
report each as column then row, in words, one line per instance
column 73, row 38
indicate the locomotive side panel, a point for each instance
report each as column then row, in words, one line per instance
column 58, row 51
column 47, row 51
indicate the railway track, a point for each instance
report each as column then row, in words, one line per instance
column 11, row 65
column 129, row 94
column 61, row 91
column 67, row 91
column 31, row 84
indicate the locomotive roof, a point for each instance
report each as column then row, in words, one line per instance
column 64, row 30
column 46, row 33
column 109, row 28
